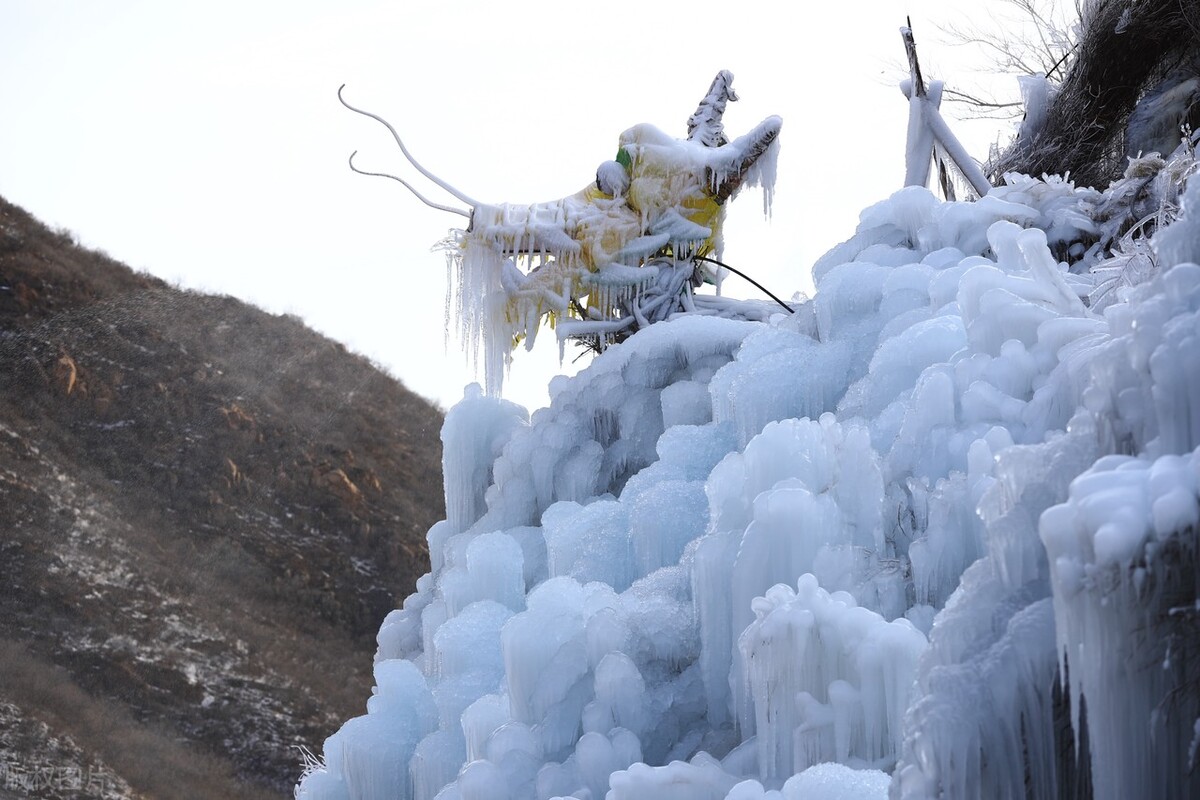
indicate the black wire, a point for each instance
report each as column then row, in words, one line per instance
column 1058, row 63
column 764, row 289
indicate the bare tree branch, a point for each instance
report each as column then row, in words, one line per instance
column 1044, row 47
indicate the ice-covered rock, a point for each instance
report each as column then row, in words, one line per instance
column 980, row 478
column 1123, row 551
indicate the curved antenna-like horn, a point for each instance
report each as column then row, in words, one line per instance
column 408, row 186
column 403, row 149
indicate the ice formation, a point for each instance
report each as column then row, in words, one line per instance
column 931, row 536
column 621, row 254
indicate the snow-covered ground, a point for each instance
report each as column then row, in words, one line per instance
column 847, row 553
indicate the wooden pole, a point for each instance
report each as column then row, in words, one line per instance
column 919, row 144
column 914, row 68
column 926, row 126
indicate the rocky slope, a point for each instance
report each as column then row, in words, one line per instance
column 207, row 510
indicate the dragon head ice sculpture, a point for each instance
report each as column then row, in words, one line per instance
column 623, row 252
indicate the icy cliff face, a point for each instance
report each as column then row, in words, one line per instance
column 881, row 532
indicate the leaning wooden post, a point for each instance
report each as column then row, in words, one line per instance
column 914, row 67
column 919, row 148
column 956, row 152
column 927, row 128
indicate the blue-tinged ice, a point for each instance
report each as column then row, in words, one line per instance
column 931, row 536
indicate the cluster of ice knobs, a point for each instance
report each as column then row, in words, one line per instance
column 848, row 552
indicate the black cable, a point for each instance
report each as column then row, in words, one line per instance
column 762, row 288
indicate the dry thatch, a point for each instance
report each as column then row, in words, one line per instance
column 1128, row 52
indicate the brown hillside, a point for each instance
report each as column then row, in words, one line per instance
column 209, row 509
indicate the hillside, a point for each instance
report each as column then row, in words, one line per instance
column 209, row 511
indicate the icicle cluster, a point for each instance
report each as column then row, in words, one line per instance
column 614, row 257
column 884, row 531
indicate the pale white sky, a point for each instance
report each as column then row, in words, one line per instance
column 204, row 143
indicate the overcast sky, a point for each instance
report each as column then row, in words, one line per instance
column 203, row 142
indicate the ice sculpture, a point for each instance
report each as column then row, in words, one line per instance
column 931, row 536
column 623, row 252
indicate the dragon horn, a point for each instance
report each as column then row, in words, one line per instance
column 747, row 150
